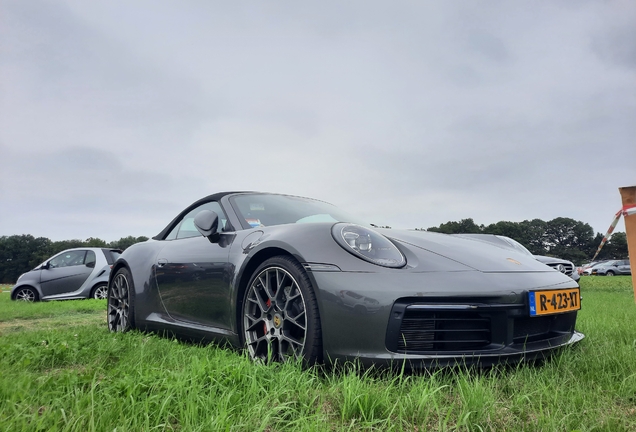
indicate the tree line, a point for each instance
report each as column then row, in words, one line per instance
column 21, row 253
column 561, row 237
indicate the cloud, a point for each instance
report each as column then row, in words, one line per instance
column 82, row 192
column 114, row 116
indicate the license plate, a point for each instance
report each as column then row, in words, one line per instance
column 554, row 301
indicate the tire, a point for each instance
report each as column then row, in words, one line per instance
column 100, row 292
column 609, row 273
column 279, row 316
column 26, row 294
column 121, row 302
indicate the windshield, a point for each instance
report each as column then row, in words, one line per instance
column 516, row 245
column 266, row 210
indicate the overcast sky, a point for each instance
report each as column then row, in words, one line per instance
column 115, row 115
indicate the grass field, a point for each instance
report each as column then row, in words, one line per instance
column 60, row 369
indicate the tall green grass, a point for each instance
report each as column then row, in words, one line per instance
column 22, row 316
column 80, row 377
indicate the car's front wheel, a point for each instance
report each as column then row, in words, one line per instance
column 609, row 273
column 100, row 292
column 280, row 318
column 27, row 294
column 121, row 302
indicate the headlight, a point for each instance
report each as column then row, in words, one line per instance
column 368, row 245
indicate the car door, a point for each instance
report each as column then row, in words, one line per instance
column 191, row 274
column 624, row 268
column 65, row 273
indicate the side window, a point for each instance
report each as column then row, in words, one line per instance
column 67, row 259
column 186, row 228
column 173, row 233
column 90, row 259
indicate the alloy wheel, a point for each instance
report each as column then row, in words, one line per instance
column 101, row 292
column 119, row 304
column 274, row 316
column 25, row 294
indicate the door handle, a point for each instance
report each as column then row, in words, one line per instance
column 162, row 262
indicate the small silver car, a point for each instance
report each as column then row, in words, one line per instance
column 72, row 274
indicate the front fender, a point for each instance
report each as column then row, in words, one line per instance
column 140, row 259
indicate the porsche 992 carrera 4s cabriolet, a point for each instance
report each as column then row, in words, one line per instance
column 288, row 277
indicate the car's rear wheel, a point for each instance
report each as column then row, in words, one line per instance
column 280, row 316
column 26, row 294
column 121, row 302
column 609, row 273
column 100, row 292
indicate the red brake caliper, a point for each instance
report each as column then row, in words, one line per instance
column 269, row 305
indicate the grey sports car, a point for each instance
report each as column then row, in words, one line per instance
column 71, row 274
column 290, row 277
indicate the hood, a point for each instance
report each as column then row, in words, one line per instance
column 473, row 253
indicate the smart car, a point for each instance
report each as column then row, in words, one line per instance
column 71, row 274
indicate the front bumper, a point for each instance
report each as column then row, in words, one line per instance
column 498, row 301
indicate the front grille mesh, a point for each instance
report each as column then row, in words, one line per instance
column 443, row 331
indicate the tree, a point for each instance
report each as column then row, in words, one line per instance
column 534, row 234
column 61, row 245
column 528, row 233
column 615, row 248
column 125, row 242
column 95, row 242
column 568, row 239
column 464, row 226
column 21, row 253
column 561, row 237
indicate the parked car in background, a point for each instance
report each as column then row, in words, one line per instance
column 583, row 267
column 72, row 274
column 586, row 269
column 612, row 268
column 564, row 266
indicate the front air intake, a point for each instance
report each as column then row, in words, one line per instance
column 443, row 331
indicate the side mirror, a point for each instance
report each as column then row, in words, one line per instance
column 46, row 266
column 207, row 222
